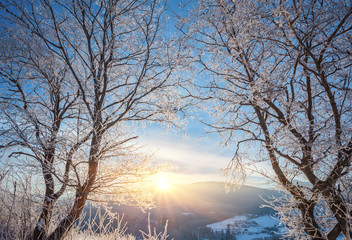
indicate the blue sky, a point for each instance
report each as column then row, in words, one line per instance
column 192, row 155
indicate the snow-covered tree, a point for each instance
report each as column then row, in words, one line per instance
column 75, row 76
column 280, row 90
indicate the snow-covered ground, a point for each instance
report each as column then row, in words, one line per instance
column 246, row 228
column 219, row 226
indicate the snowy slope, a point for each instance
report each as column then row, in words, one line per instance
column 266, row 221
column 246, row 228
column 219, row 226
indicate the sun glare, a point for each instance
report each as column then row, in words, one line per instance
column 162, row 184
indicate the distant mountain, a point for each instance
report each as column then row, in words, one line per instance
column 189, row 208
column 211, row 197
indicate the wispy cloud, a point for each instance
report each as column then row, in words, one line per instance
column 191, row 159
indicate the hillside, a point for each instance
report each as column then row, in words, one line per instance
column 211, row 197
column 189, row 208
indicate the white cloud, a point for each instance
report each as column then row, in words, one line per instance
column 191, row 159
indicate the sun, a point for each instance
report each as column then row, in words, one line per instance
column 162, row 184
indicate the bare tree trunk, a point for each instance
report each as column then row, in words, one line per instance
column 66, row 224
column 40, row 231
column 339, row 209
column 306, row 207
column 82, row 193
